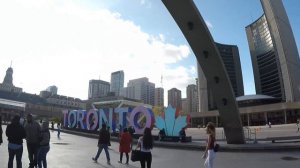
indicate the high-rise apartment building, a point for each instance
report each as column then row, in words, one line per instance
column 231, row 60
column 159, row 97
column 98, row 88
column 192, row 99
column 174, row 98
column 140, row 89
column 274, row 53
column 117, row 82
column 184, row 106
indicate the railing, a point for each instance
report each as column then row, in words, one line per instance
column 250, row 133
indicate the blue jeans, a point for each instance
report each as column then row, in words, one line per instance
column 105, row 147
column 12, row 153
column 58, row 133
column 42, row 154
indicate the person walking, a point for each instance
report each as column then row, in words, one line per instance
column 15, row 134
column 103, row 141
column 161, row 134
column 1, row 132
column 58, row 130
column 298, row 125
column 52, row 125
column 124, row 147
column 44, row 145
column 145, row 143
column 209, row 153
column 108, row 129
column 182, row 135
column 33, row 131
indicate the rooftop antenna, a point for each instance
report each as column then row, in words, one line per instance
column 161, row 81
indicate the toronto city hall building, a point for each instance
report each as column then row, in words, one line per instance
column 276, row 64
column 274, row 53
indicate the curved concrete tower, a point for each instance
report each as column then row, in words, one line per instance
column 192, row 25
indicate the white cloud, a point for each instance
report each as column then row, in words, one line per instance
column 143, row 2
column 54, row 42
column 146, row 3
column 209, row 25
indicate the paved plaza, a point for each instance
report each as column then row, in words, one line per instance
column 73, row 151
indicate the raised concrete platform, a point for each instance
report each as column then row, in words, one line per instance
column 261, row 145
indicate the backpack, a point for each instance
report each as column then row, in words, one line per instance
column 216, row 147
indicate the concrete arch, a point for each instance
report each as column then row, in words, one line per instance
column 194, row 28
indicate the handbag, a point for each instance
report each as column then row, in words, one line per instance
column 216, row 147
column 135, row 155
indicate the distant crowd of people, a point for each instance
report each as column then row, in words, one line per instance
column 162, row 135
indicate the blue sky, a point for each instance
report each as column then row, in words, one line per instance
column 67, row 43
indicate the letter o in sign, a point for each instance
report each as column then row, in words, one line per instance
column 72, row 124
column 95, row 117
column 133, row 120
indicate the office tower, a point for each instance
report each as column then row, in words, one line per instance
column 184, row 106
column 174, row 98
column 231, row 60
column 274, row 53
column 98, row 88
column 159, row 97
column 52, row 90
column 117, row 82
column 140, row 89
column 192, row 99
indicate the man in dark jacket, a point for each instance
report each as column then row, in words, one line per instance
column 182, row 135
column 33, row 130
column 15, row 134
column 104, row 139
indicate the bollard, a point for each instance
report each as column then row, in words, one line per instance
column 255, row 141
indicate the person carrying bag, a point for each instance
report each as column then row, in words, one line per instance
column 145, row 143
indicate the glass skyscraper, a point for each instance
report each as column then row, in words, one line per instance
column 117, row 82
